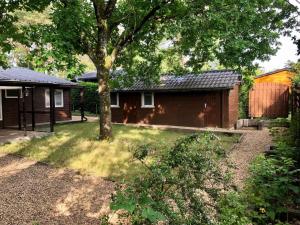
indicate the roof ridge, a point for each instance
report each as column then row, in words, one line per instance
column 273, row 71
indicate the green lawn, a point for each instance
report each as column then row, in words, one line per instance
column 75, row 146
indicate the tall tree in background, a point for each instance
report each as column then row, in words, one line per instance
column 128, row 34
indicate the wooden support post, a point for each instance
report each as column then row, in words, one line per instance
column 19, row 112
column 81, row 104
column 52, row 112
column 32, row 109
column 222, row 111
column 24, row 111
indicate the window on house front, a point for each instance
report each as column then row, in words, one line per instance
column 114, row 100
column 13, row 93
column 147, row 100
column 58, row 98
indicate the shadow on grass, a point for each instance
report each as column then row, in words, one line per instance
column 76, row 146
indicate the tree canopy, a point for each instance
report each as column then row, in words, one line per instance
column 130, row 33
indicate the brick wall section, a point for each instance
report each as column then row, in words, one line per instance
column 233, row 105
column 181, row 109
column 172, row 108
column 10, row 108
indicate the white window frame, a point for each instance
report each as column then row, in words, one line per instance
column 143, row 100
column 47, row 96
column 118, row 103
column 21, row 94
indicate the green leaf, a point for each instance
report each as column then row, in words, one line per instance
column 295, row 189
column 123, row 202
column 271, row 214
column 152, row 215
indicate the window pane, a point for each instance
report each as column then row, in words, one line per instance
column 113, row 99
column 12, row 93
column 58, row 96
column 47, row 97
column 148, row 99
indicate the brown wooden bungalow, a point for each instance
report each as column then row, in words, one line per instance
column 209, row 99
column 28, row 98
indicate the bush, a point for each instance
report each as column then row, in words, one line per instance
column 181, row 187
column 233, row 210
column 271, row 188
column 91, row 97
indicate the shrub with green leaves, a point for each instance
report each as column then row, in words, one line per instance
column 181, row 187
column 91, row 97
column 272, row 188
column 233, row 209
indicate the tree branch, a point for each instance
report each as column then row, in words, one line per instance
column 110, row 6
column 127, row 39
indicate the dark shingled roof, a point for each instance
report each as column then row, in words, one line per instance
column 90, row 76
column 217, row 79
column 27, row 76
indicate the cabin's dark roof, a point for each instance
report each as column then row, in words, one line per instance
column 27, row 76
column 272, row 72
column 215, row 79
column 90, row 76
column 219, row 79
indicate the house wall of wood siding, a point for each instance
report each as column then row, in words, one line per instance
column 194, row 109
column 10, row 108
column 282, row 77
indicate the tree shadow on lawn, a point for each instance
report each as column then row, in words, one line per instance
column 75, row 146
column 33, row 192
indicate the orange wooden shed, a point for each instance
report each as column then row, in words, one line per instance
column 281, row 76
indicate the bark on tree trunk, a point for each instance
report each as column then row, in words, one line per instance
column 105, row 131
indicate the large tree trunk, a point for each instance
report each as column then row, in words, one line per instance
column 105, row 131
column 103, row 65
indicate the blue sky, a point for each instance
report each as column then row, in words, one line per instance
column 287, row 52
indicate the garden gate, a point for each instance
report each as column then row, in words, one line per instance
column 270, row 100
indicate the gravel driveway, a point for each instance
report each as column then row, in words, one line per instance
column 34, row 193
column 253, row 143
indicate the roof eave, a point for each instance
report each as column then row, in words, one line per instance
column 175, row 90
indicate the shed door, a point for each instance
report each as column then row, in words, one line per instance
column 269, row 100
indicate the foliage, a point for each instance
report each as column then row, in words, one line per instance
column 295, row 67
column 247, row 82
column 180, row 187
column 271, row 188
column 233, row 209
column 91, row 97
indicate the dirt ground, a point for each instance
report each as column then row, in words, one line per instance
column 253, row 142
column 32, row 193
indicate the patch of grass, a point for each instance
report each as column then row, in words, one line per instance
column 75, row 146
column 77, row 113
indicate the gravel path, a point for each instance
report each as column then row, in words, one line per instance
column 34, row 193
column 253, row 143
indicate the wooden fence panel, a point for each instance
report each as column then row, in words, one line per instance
column 269, row 100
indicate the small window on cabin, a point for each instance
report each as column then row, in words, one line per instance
column 13, row 93
column 58, row 98
column 114, row 100
column 147, row 100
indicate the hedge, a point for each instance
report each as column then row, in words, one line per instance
column 91, row 97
